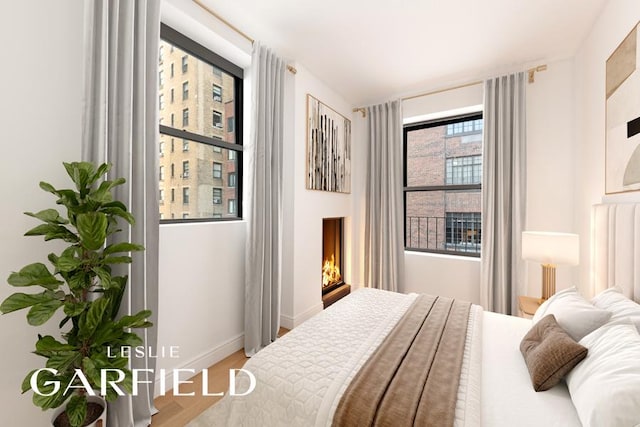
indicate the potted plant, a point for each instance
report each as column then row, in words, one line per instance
column 94, row 340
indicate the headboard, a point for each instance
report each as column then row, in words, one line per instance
column 615, row 257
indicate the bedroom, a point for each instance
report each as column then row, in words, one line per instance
column 565, row 120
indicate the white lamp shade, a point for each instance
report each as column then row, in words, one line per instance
column 551, row 248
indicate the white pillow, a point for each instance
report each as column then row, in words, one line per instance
column 605, row 386
column 574, row 314
column 613, row 300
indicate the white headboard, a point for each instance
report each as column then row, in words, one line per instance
column 615, row 257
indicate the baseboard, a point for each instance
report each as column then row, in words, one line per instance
column 286, row 321
column 297, row 320
column 203, row 361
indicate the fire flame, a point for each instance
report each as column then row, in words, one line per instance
column 330, row 272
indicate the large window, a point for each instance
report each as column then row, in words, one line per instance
column 442, row 185
column 205, row 142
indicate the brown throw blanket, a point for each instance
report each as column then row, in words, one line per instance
column 412, row 378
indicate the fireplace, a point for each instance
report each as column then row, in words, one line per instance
column 333, row 285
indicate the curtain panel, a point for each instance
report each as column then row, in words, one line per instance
column 384, row 242
column 120, row 126
column 264, row 155
column 503, row 192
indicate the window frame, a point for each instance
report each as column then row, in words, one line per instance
column 197, row 50
column 444, row 187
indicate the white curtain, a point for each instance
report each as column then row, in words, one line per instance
column 264, row 196
column 503, row 192
column 384, row 243
column 120, row 126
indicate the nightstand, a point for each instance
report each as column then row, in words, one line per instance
column 527, row 306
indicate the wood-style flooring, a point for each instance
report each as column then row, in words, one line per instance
column 177, row 411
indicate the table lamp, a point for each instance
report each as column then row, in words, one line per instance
column 550, row 249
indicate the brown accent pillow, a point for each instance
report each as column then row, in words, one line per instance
column 550, row 353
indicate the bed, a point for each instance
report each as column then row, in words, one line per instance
column 305, row 378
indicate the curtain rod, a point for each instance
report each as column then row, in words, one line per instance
column 531, row 72
column 291, row 68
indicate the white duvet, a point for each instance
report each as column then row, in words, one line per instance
column 301, row 377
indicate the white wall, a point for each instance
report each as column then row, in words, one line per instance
column 613, row 24
column 201, row 294
column 550, row 163
column 40, row 82
column 302, row 290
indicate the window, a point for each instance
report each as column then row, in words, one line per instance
column 161, row 102
column 442, row 185
column 185, row 169
column 463, row 231
column 161, row 173
column 161, row 78
column 217, row 119
column 161, row 54
column 464, row 170
column 185, row 117
column 185, row 91
column 466, row 127
column 161, row 148
column 217, row 196
column 171, row 69
column 161, row 196
column 217, row 93
column 218, row 145
column 217, row 170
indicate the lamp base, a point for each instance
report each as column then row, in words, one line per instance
column 548, row 281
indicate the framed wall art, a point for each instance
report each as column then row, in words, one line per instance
column 328, row 148
column 622, row 164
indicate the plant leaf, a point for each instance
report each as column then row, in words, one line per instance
column 135, row 321
column 18, row 301
column 122, row 247
column 117, row 260
column 72, row 309
column 92, row 228
column 49, row 343
column 50, row 216
column 48, row 187
column 34, row 274
column 67, row 264
column 77, row 409
column 93, row 318
column 40, row 313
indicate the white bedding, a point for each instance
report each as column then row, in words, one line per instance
column 508, row 399
column 301, row 378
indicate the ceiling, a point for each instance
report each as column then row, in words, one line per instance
column 371, row 50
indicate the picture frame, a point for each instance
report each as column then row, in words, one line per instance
column 328, row 154
column 622, row 122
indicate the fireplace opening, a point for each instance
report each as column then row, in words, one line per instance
column 332, row 268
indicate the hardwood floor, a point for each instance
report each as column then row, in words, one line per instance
column 177, row 411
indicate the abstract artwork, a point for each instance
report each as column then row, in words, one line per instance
column 622, row 165
column 328, row 148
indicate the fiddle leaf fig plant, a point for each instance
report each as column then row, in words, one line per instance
column 89, row 354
